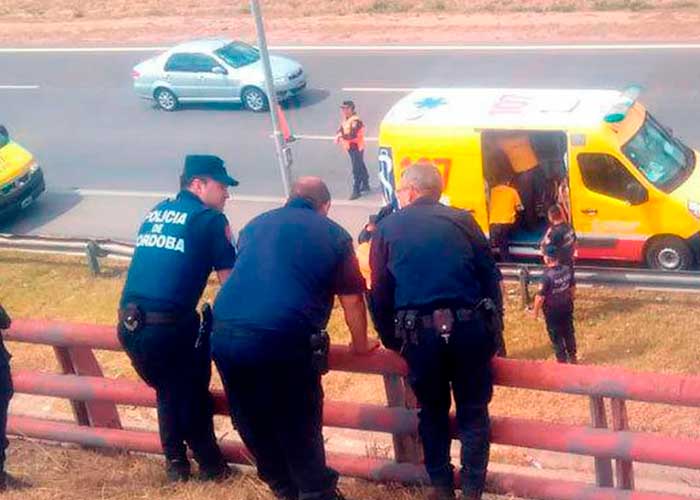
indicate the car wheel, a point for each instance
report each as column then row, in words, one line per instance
column 254, row 99
column 669, row 254
column 165, row 99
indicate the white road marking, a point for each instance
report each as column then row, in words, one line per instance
column 19, row 87
column 235, row 198
column 379, row 89
column 389, row 48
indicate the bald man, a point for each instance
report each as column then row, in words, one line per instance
column 269, row 342
column 436, row 298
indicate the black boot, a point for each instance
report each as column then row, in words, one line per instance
column 178, row 470
column 355, row 195
column 220, row 472
column 441, row 493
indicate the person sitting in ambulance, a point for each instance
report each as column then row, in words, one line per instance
column 505, row 204
column 525, row 165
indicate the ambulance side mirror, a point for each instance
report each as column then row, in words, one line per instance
column 3, row 132
column 636, row 194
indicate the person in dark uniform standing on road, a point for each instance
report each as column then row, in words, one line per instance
column 269, row 342
column 6, row 392
column 556, row 298
column 436, row 298
column 351, row 134
column 179, row 244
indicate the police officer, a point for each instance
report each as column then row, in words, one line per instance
column 179, row 243
column 6, row 392
column 556, row 298
column 269, row 343
column 561, row 236
column 351, row 134
column 436, row 297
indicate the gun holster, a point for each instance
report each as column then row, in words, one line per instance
column 493, row 316
column 320, row 347
column 132, row 318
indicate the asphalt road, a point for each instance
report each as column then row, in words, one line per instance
column 78, row 114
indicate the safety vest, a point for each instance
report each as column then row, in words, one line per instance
column 346, row 128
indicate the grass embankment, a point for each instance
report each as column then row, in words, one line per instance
column 651, row 331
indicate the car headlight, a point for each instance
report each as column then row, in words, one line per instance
column 33, row 167
column 694, row 208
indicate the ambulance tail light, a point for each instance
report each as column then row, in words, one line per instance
column 619, row 110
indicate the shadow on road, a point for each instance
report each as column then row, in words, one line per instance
column 309, row 98
column 48, row 207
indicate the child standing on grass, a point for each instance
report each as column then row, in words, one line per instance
column 556, row 298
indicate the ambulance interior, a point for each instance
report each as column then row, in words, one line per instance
column 540, row 187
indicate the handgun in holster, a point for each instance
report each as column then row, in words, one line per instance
column 205, row 326
column 320, row 347
column 492, row 315
column 132, row 318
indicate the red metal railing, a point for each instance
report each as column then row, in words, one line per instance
column 94, row 399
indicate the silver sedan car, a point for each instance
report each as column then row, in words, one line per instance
column 215, row 70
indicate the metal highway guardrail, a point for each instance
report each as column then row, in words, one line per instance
column 525, row 274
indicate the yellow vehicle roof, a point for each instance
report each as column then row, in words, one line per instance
column 491, row 108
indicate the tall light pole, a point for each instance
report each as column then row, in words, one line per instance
column 284, row 154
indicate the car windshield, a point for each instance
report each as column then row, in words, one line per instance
column 238, row 54
column 663, row 159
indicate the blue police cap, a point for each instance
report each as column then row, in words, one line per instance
column 207, row 166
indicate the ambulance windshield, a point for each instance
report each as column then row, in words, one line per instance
column 663, row 159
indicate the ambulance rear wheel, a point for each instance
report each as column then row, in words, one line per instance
column 669, row 254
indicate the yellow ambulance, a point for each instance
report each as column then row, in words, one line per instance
column 630, row 188
column 21, row 178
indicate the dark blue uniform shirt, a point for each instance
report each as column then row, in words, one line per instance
column 426, row 256
column 179, row 243
column 563, row 237
column 556, row 288
column 292, row 261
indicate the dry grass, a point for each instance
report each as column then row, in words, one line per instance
column 121, row 9
column 63, row 473
column 649, row 331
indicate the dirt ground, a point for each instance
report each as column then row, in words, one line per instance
column 67, row 473
column 132, row 22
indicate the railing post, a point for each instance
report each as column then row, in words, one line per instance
column 407, row 447
column 92, row 252
column 624, row 471
column 603, row 466
column 82, row 361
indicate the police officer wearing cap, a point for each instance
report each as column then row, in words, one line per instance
column 269, row 342
column 180, row 242
column 436, row 298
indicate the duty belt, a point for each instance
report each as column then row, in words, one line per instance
column 152, row 318
column 460, row 315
